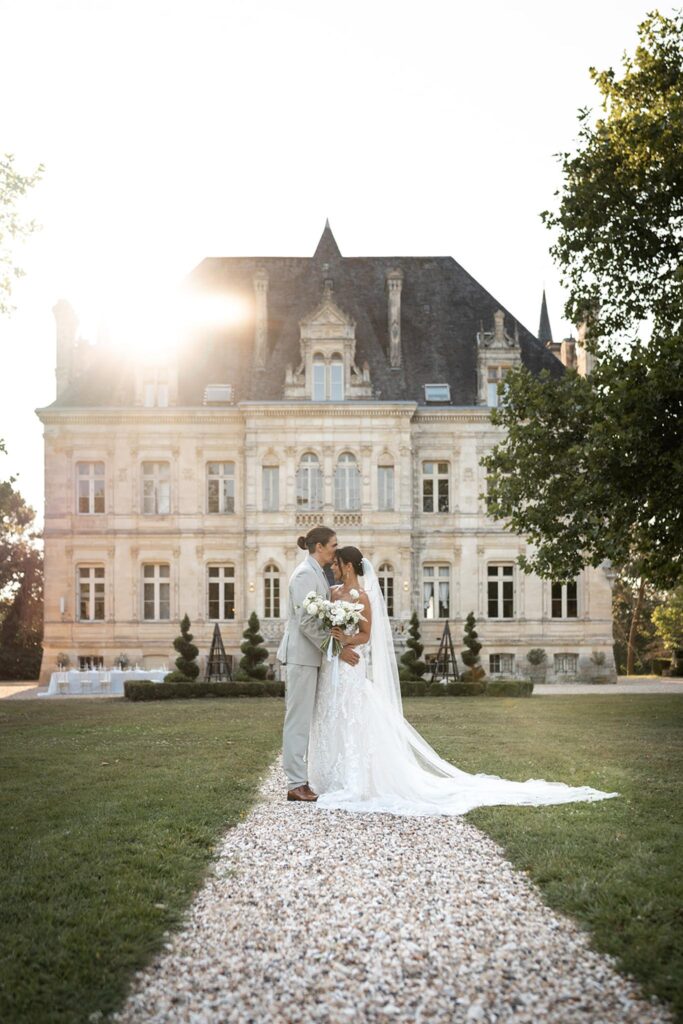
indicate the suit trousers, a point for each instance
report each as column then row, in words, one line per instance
column 301, row 683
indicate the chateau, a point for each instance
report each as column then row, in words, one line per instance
column 353, row 392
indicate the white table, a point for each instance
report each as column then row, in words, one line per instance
column 98, row 682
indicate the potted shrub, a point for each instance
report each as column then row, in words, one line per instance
column 600, row 672
column 63, row 661
column 187, row 669
column 538, row 664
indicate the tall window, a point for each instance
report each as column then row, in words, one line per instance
column 385, row 576
column 501, row 664
column 220, row 484
column 90, row 593
column 90, row 487
column 500, row 592
column 566, row 664
column 309, row 484
column 328, row 379
column 155, row 389
column 435, row 487
column 156, row 592
column 270, row 488
column 347, row 484
column 221, row 579
column 271, row 592
column 156, row 488
column 385, row 488
column 564, row 600
column 436, row 592
column 494, row 375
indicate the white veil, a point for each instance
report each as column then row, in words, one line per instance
column 383, row 671
column 382, row 667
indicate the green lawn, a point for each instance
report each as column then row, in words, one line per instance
column 111, row 810
column 614, row 865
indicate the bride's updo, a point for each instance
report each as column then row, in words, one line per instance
column 352, row 555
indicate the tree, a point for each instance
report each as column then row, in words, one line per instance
column 470, row 656
column 21, row 620
column 412, row 669
column 187, row 669
column 635, row 637
column 13, row 186
column 591, row 467
column 253, row 652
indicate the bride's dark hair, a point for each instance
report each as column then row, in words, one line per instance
column 352, row 555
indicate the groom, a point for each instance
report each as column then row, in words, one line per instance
column 300, row 652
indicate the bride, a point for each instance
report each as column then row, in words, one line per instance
column 364, row 756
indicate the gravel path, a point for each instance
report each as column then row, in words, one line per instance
column 313, row 915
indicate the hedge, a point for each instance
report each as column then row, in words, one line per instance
column 423, row 689
column 143, row 689
column 509, row 688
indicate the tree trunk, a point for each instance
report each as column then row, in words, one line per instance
column 633, row 631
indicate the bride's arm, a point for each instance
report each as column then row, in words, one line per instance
column 365, row 624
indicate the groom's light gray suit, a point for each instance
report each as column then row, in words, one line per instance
column 300, row 652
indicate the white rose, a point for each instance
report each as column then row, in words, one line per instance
column 354, row 594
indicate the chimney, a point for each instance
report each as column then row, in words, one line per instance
column 67, row 324
column 394, row 285
column 261, row 326
column 584, row 359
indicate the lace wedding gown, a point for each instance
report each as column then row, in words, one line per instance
column 364, row 756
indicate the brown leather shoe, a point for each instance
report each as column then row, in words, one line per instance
column 302, row 792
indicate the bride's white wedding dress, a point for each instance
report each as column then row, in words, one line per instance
column 364, row 756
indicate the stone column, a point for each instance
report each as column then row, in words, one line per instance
column 261, row 322
column 394, row 285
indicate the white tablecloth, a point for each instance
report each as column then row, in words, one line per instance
column 99, row 683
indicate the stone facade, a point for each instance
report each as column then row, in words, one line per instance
column 161, row 501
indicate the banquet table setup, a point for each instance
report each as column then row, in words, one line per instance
column 98, row 682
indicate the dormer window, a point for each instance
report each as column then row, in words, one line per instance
column 328, row 378
column 155, row 389
column 437, row 393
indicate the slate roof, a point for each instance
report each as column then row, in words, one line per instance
column 442, row 308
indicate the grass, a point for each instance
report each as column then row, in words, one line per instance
column 111, row 811
column 614, row 865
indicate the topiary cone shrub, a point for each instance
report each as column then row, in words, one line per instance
column 253, row 653
column 412, row 669
column 186, row 670
column 470, row 655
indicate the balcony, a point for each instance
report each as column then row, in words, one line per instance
column 308, row 520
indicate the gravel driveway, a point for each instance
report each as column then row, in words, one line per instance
column 314, row 915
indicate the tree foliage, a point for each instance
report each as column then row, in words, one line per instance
column 636, row 643
column 668, row 620
column 592, row 467
column 13, row 187
column 412, row 668
column 620, row 218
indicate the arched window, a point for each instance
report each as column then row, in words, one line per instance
column 309, row 484
column 385, row 576
column 271, row 592
column 347, row 484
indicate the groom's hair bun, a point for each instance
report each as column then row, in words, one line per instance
column 352, row 555
column 318, row 535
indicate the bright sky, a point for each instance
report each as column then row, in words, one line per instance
column 172, row 130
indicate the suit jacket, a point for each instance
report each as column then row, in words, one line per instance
column 304, row 633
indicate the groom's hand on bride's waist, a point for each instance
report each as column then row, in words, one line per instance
column 350, row 656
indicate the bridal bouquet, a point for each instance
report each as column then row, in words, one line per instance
column 344, row 614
